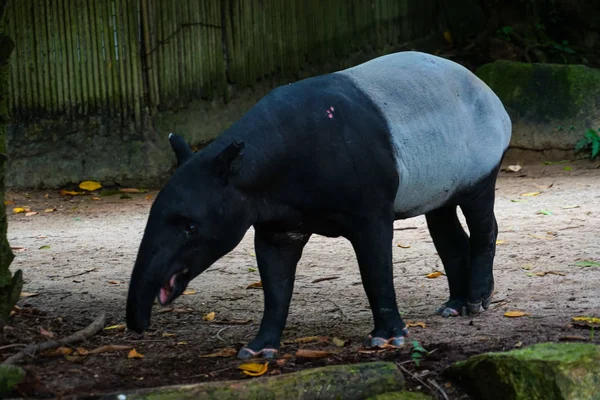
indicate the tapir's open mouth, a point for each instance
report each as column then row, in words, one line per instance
column 173, row 287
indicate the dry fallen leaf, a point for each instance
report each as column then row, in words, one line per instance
column 313, row 353
column 225, row 352
column 188, row 292
column 18, row 210
column 134, row 354
column 530, row 194
column 83, row 352
column 547, row 237
column 8, row 202
column 254, row 369
column 544, row 273
column 120, row 327
column 404, row 246
column 500, row 241
column 111, row 348
column 339, row 342
column 129, row 190
column 114, row 282
column 434, row 275
column 18, row 249
column 90, row 186
column 59, row 351
column 181, row 343
column 31, row 213
column 414, row 324
column 209, row 317
column 514, row 168
column 515, row 314
column 49, row 210
column 569, row 207
column 543, row 187
column 255, row 285
column 96, row 198
column 148, row 197
column 46, row 333
column 519, row 345
column 165, row 334
column 28, row 294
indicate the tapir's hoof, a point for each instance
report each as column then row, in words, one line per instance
column 383, row 343
column 475, row 308
column 246, row 353
column 452, row 309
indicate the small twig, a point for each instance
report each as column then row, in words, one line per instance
column 10, row 346
column 219, row 337
column 406, row 228
column 438, row 387
column 79, row 274
column 78, row 336
column 327, row 278
column 421, row 381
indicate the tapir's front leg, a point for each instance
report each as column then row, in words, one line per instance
column 372, row 242
column 277, row 255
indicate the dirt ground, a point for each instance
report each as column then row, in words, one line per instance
column 93, row 244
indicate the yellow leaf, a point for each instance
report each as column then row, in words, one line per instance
column 434, row 275
column 8, row 202
column 338, row 342
column 404, row 246
column 448, row 37
column 189, row 291
column 515, row 314
column 419, row 323
column 500, row 241
column 591, row 320
column 530, row 194
column 134, row 354
column 90, row 186
column 209, row 317
column 18, row 210
column 120, row 327
column 255, row 285
column 49, row 210
column 226, row 352
column 64, row 192
column 96, row 198
column 254, row 369
column 148, row 197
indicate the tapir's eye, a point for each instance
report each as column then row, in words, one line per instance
column 191, row 229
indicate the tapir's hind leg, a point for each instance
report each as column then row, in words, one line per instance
column 372, row 242
column 277, row 255
column 483, row 231
column 452, row 245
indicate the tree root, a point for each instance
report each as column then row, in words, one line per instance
column 78, row 336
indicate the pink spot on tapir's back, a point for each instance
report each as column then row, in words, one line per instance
column 330, row 112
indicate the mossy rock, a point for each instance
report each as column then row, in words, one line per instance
column 551, row 105
column 10, row 376
column 402, row 395
column 546, row 371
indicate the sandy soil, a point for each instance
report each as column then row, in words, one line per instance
column 93, row 244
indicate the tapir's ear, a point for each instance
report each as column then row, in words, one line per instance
column 229, row 161
column 181, row 148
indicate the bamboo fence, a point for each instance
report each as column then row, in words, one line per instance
column 126, row 58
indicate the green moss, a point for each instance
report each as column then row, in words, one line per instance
column 10, row 376
column 402, row 395
column 543, row 371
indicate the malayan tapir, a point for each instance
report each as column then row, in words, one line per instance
column 343, row 154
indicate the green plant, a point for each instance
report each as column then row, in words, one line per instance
column 417, row 352
column 591, row 140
